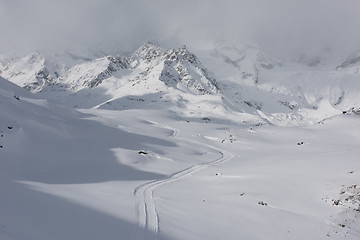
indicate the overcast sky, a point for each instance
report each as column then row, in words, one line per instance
column 279, row 26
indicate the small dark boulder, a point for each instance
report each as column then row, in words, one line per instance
column 262, row 203
column 206, row 119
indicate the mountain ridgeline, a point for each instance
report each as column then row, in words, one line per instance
column 237, row 79
column 36, row 73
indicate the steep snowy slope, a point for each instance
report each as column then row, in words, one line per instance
column 21, row 107
column 91, row 74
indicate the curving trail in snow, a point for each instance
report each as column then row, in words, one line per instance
column 174, row 131
column 147, row 215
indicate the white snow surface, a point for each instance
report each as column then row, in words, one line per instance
column 159, row 145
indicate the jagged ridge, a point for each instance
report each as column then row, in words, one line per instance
column 91, row 74
column 177, row 67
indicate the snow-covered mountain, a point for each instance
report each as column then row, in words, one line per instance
column 35, row 72
column 284, row 93
column 39, row 69
column 237, row 78
column 172, row 67
column 91, row 74
column 31, row 72
column 239, row 62
column 168, row 144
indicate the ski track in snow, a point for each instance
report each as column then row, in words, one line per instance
column 174, row 131
column 147, row 215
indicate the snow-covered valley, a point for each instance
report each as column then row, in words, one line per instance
column 165, row 144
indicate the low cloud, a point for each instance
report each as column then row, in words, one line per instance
column 282, row 27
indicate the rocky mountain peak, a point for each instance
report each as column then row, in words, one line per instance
column 183, row 67
column 91, row 74
column 146, row 53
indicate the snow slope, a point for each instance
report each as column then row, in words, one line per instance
column 40, row 143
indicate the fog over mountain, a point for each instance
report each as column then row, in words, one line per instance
column 283, row 28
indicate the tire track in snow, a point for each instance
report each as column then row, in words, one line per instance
column 147, row 215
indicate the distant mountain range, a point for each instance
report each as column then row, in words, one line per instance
column 238, row 78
